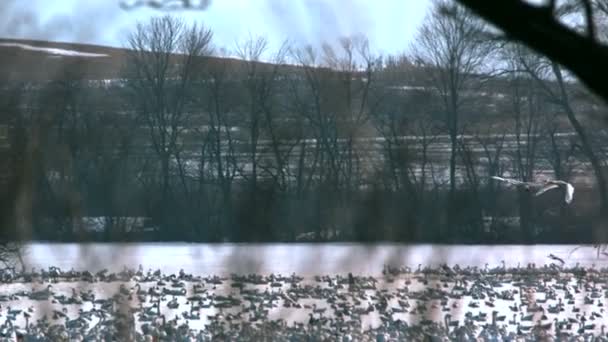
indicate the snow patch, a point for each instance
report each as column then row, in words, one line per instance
column 100, row 223
column 55, row 51
column 408, row 87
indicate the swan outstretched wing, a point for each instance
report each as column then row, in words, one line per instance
column 515, row 182
column 556, row 184
column 545, row 189
column 509, row 181
column 569, row 193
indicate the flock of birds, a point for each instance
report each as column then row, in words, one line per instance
column 445, row 303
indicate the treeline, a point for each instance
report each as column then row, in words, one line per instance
column 335, row 144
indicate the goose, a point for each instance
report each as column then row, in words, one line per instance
column 42, row 294
column 556, row 258
column 173, row 304
column 541, row 187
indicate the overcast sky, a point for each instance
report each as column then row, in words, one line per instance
column 389, row 24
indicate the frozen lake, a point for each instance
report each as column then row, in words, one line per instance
column 304, row 259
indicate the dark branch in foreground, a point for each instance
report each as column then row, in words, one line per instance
column 11, row 255
column 537, row 28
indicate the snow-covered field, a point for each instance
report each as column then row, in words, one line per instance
column 54, row 51
column 194, row 286
column 304, row 259
column 197, row 286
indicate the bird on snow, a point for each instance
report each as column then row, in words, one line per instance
column 556, row 258
column 541, row 188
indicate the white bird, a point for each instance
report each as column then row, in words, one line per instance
column 542, row 187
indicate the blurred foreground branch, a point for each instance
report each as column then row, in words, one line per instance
column 11, row 255
column 539, row 28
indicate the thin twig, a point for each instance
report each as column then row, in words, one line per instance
column 589, row 17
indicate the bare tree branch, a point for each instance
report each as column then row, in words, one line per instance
column 540, row 30
column 589, row 18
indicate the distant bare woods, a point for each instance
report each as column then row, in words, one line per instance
column 304, row 144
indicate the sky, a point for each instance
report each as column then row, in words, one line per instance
column 390, row 25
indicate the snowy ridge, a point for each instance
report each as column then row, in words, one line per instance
column 55, row 51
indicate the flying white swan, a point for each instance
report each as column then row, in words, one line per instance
column 541, row 188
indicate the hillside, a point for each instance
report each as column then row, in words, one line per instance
column 33, row 60
column 28, row 60
column 380, row 173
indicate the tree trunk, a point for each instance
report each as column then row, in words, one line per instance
column 585, row 143
column 526, row 215
column 452, row 214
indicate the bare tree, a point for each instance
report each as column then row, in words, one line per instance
column 163, row 62
column 492, row 144
column 220, row 107
column 449, row 49
column 356, row 71
column 278, row 120
column 544, row 72
column 561, row 157
column 311, row 96
column 75, row 142
column 113, row 137
column 330, row 94
column 402, row 114
column 251, row 52
column 526, row 106
column 399, row 165
column 260, row 106
column 469, row 205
